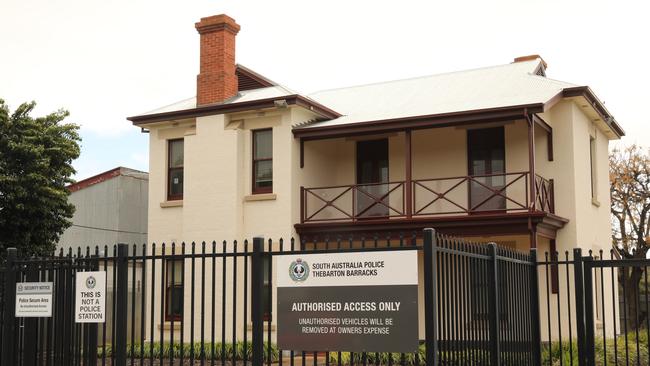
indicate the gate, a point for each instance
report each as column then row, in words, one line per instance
column 629, row 320
column 213, row 303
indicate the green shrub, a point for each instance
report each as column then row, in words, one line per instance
column 348, row 358
column 615, row 354
column 211, row 351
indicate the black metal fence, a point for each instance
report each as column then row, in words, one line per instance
column 213, row 303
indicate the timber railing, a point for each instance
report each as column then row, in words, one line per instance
column 436, row 197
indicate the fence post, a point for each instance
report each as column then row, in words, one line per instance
column 90, row 341
column 536, row 337
column 257, row 293
column 589, row 311
column 493, row 297
column 430, row 296
column 30, row 329
column 9, row 316
column 580, row 304
column 121, row 304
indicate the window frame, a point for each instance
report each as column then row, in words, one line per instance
column 254, row 161
column 170, row 169
column 592, row 167
column 267, row 288
column 170, row 286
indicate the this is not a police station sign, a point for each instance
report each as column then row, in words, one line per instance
column 90, row 299
column 354, row 302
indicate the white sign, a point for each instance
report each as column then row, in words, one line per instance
column 90, row 299
column 379, row 268
column 34, row 299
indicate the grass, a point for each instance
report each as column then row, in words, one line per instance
column 211, row 351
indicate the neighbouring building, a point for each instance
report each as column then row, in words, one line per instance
column 500, row 153
column 110, row 207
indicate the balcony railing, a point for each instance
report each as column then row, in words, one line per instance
column 462, row 195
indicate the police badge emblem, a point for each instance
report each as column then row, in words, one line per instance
column 299, row 270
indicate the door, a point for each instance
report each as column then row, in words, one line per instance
column 372, row 179
column 486, row 153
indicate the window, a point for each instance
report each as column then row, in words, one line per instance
column 486, row 155
column 263, row 161
column 555, row 277
column 174, row 290
column 266, row 291
column 592, row 166
column 175, row 170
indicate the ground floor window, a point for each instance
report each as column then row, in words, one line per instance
column 266, row 292
column 174, row 290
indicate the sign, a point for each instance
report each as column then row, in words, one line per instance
column 90, row 299
column 352, row 302
column 34, row 299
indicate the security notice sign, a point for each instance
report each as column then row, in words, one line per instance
column 90, row 303
column 34, row 299
column 354, row 302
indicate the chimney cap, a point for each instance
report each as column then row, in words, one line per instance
column 216, row 23
column 531, row 58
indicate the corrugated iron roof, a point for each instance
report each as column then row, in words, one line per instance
column 491, row 87
column 242, row 96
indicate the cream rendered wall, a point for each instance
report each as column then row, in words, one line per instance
column 218, row 205
column 593, row 216
column 439, row 153
column 589, row 225
column 165, row 224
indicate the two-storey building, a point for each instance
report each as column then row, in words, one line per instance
column 501, row 153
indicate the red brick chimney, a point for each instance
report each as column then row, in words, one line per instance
column 217, row 80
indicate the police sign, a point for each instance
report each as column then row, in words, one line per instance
column 90, row 304
column 34, row 299
column 356, row 302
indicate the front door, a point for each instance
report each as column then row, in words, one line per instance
column 486, row 152
column 372, row 179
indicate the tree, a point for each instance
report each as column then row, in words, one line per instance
column 36, row 157
column 630, row 194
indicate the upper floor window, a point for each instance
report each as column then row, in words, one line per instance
column 175, row 170
column 592, row 167
column 262, row 161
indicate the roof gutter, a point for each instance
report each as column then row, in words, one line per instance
column 418, row 122
column 599, row 107
column 213, row 109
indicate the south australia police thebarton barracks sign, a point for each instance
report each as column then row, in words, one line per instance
column 354, row 302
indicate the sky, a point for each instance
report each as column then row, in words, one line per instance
column 106, row 60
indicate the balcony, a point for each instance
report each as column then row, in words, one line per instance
column 452, row 197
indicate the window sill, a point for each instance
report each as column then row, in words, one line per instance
column 595, row 202
column 173, row 203
column 249, row 327
column 168, row 325
column 260, row 197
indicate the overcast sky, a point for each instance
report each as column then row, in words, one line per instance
column 106, row 60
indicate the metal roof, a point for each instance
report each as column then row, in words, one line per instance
column 485, row 88
column 491, row 88
column 243, row 96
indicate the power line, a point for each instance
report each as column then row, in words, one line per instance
column 104, row 229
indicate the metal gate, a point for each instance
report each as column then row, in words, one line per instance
column 619, row 336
